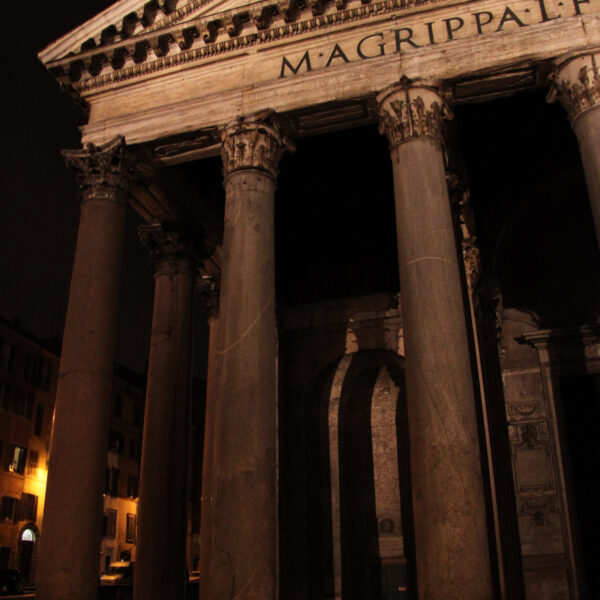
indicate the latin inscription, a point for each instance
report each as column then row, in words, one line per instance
column 403, row 39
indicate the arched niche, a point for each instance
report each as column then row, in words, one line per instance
column 360, row 515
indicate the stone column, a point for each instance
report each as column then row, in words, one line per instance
column 209, row 288
column 449, row 509
column 70, row 544
column 243, row 543
column 577, row 86
column 161, row 541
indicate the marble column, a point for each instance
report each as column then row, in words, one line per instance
column 449, row 510
column 576, row 83
column 161, row 536
column 243, row 542
column 70, row 544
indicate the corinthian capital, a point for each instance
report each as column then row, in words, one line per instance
column 409, row 110
column 254, row 142
column 172, row 247
column 104, row 172
column 576, row 83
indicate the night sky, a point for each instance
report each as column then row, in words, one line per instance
column 40, row 209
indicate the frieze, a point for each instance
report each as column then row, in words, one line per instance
column 523, row 410
column 532, row 435
column 233, row 31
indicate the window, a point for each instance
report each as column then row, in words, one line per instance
column 4, row 395
column 130, row 529
column 137, row 414
column 33, row 462
column 29, row 504
column 111, row 482
column 24, row 404
column 39, row 420
column 17, row 458
column 9, row 509
column 132, row 486
column 37, row 371
column 7, row 353
column 45, row 375
column 134, row 449
column 109, row 523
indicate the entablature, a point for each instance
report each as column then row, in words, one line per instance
column 308, row 57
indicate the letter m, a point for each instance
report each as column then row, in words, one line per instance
column 286, row 63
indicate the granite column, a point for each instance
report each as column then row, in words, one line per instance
column 161, row 540
column 449, row 509
column 70, row 545
column 243, row 529
column 577, row 86
column 209, row 287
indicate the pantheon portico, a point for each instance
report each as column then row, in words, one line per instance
column 422, row 457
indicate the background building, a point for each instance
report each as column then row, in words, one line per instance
column 28, row 373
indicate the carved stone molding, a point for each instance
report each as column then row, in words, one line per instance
column 172, row 247
column 208, row 287
column 576, row 83
column 408, row 110
column 254, row 142
column 104, row 172
column 460, row 198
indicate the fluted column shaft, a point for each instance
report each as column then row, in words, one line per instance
column 161, row 542
column 70, row 545
column 449, row 510
column 577, row 86
column 243, row 546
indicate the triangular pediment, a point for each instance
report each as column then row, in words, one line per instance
column 126, row 20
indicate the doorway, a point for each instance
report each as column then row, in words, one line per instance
column 27, row 546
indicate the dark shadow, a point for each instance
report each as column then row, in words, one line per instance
column 318, row 483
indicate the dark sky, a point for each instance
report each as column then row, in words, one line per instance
column 40, row 209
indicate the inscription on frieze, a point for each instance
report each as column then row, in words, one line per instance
column 427, row 31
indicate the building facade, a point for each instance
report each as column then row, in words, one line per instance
column 28, row 383
column 29, row 374
column 357, row 443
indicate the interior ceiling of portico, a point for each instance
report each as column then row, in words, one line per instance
column 335, row 224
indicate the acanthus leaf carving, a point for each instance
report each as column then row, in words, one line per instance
column 576, row 83
column 104, row 172
column 411, row 109
column 254, row 142
column 173, row 247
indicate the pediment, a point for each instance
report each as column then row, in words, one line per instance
column 122, row 43
column 127, row 20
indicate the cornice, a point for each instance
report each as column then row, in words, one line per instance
column 123, row 20
column 165, row 46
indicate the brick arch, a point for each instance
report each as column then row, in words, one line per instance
column 358, row 453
